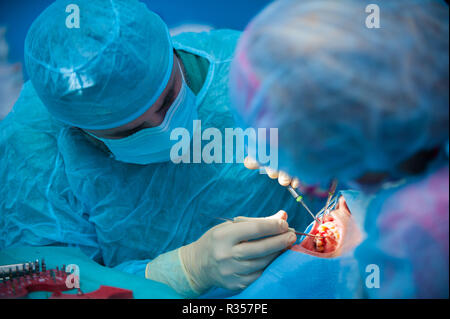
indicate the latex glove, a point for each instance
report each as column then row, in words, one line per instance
column 233, row 255
column 229, row 255
column 283, row 178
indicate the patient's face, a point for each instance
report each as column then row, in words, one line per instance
column 337, row 233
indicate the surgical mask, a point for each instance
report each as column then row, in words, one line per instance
column 153, row 145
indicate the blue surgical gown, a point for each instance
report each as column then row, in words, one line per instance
column 57, row 188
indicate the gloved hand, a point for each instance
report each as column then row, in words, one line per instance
column 229, row 255
column 283, row 178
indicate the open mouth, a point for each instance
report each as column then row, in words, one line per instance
column 327, row 236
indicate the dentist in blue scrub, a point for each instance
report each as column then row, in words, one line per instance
column 85, row 152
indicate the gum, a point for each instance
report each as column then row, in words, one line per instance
column 331, row 244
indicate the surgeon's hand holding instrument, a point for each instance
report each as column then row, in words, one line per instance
column 230, row 255
column 283, row 178
column 243, row 219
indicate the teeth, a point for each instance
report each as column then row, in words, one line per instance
column 330, row 233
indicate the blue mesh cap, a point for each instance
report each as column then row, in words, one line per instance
column 346, row 99
column 104, row 74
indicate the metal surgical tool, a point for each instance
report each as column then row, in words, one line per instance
column 245, row 219
column 331, row 193
column 299, row 199
column 330, row 199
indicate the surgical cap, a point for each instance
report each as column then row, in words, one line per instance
column 107, row 72
column 347, row 99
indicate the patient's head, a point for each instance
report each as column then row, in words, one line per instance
column 368, row 99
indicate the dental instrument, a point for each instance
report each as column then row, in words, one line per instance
column 245, row 219
column 299, row 199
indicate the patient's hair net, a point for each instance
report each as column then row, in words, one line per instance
column 347, row 99
column 105, row 73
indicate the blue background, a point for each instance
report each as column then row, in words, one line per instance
column 17, row 16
